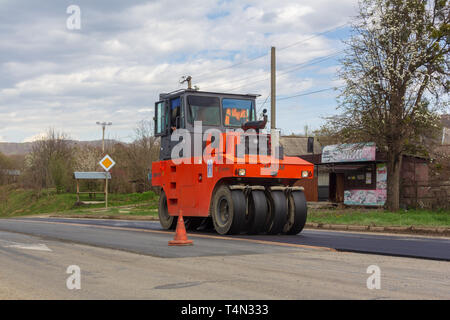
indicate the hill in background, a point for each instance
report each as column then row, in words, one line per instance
column 22, row 148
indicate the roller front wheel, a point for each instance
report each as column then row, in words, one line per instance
column 228, row 210
column 167, row 221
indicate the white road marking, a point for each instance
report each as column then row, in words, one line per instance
column 25, row 246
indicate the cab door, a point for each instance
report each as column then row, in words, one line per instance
column 162, row 128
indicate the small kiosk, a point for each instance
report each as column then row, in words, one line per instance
column 105, row 176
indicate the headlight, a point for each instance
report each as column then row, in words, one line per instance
column 305, row 174
column 241, row 172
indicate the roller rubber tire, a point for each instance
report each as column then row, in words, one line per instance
column 297, row 213
column 228, row 210
column 277, row 216
column 192, row 223
column 257, row 212
column 167, row 221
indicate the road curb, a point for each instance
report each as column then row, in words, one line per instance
column 441, row 231
column 85, row 216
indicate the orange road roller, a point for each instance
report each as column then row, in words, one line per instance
column 218, row 163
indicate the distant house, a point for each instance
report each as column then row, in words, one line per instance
column 10, row 176
column 297, row 146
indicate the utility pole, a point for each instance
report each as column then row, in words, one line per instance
column 273, row 89
column 103, row 124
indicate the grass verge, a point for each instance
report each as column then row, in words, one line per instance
column 378, row 217
column 20, row 202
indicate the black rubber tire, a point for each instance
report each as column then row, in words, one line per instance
column 257, row 212
column 167, row 221
column 297, row 213
column 207, row 225
column 277, row 216
column 192, row 223
column 228, row 210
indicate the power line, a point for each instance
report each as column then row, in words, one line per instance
column 315, row 36
column 302, row 94
column 262, row 105
column 288, row 70
column 312, row 62
column 209, row 74
column 308, row 93
column 296, row 67
column 232, row 66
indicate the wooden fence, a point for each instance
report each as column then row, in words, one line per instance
column 425, row 194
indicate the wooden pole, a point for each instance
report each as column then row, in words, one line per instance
column 273, row 89
column 106, row 190
column 103, row 139
column 78, row 191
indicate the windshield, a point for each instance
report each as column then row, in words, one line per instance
column 205, row 109
column 236, row 112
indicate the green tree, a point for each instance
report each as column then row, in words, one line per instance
column 395, row 72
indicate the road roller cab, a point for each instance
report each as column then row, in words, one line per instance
column 217, row 162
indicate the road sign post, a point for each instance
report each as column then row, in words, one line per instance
column 107, row 163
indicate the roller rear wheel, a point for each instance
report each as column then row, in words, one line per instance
column 297, row 213
column 257, row 212
column 277, row 216
column 192, row 223
column 228, row 210
column 167, row 221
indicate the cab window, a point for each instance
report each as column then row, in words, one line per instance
column 176, row 114
column 236, row 112
column 205, row 109
column 161, row 118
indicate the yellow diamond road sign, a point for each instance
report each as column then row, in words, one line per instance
column 107, row 163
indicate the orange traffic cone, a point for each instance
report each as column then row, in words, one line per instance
column 180, row 234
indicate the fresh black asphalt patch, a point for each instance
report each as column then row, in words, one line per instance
column 156, row 243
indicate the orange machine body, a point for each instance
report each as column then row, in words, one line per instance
column 189, row 185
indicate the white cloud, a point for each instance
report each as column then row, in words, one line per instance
column 126, row 54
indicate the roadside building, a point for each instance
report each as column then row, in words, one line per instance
column 356, row 174
column 306, row 148
column 8, row 176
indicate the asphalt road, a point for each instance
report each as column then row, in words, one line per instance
column 131, row 260
column 435, row 248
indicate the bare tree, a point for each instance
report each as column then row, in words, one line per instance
column 395, row 72
column 143, row 151
column 134, row 160
column 50, row 162
column 5, row 164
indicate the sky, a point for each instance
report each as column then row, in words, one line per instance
column 125, row 53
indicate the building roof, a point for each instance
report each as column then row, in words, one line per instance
column 11, row 172
column 92, row 175
column 297, row 146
